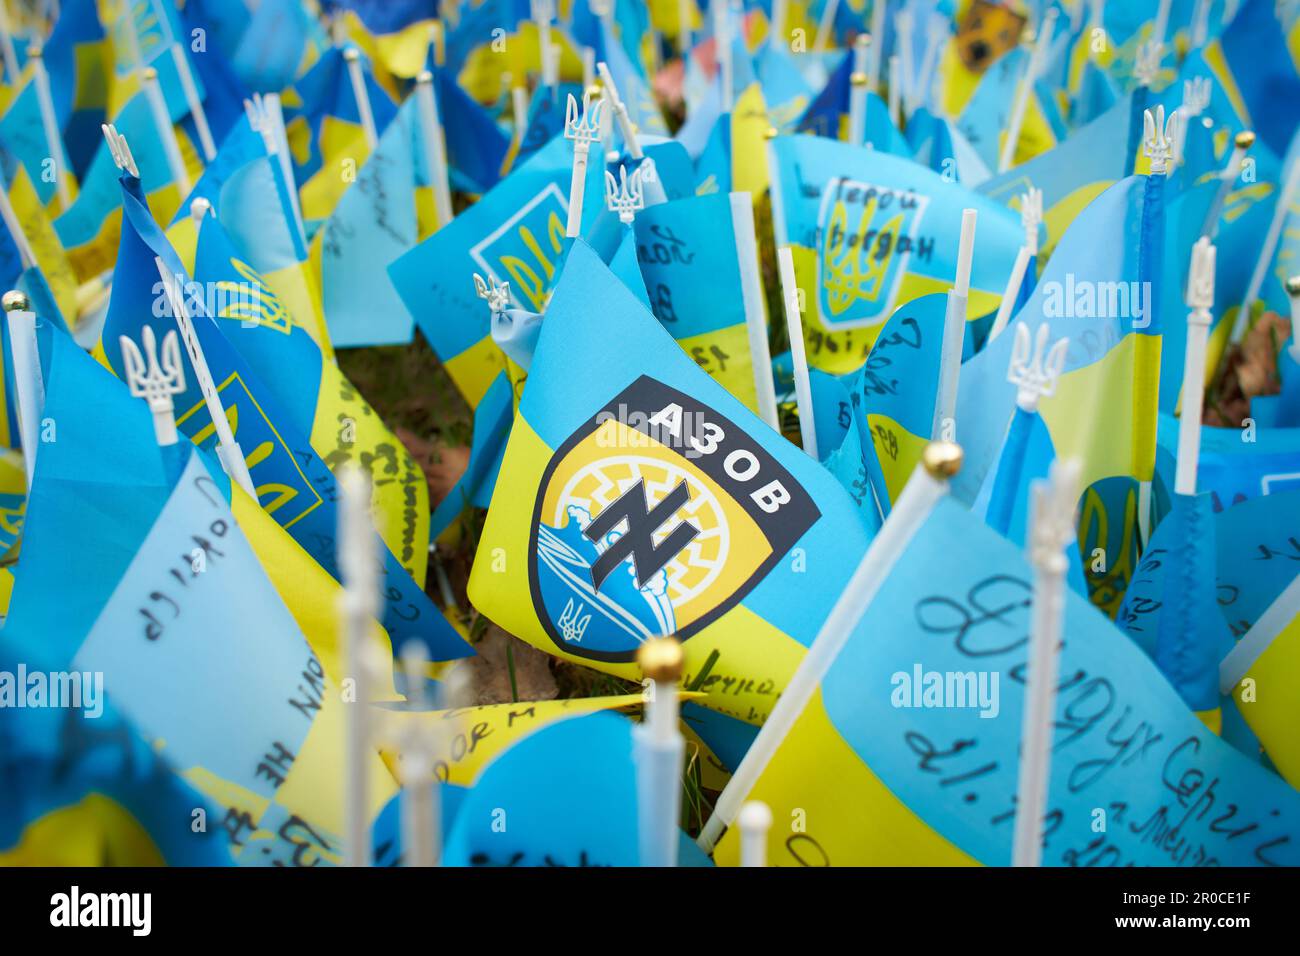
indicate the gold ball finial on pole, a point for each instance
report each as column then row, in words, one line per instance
column 15, row 300
column 942, row 459
column 661, row 659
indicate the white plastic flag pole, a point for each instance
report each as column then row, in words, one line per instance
column 1266, row 253
column 755, row 822
column 658, row 749
column 1050, row 533
column 903, row 24
column 266, row 116
column 780, row 17
column 927, row 484
column 895, row 92
column 588, row 66
column 1160, row 26
column 751, row 289
column 358, row 603
column 825, row 26
column 435, row 151
column 1196, row 97
column 1200, row 299
column 619, row 109
column 165, row 131
column 229, row 453
column 195, row 104
column 7, row 48
column 936, row 34
column 1293, row 293
column 1276, row 617
column 519, row 111
column 1227, row 179
column 352, row 57
column 1033, row 68
column 29, row 383
column 26, row 255
column 49, row 124
column 543, row 12
column 954, row 332
column 798, row 357
column 858, row 91
column 155, row 378
column 1158, row 136
column 877, row 48
column 421, row 803
column 584, row 131
column 722, row 51
column 1200, row 24
column 1031, row 215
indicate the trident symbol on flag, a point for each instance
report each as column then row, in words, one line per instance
column 496, row 294
column 1035, row 375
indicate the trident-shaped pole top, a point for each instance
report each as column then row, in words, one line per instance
column 1196, row 96
column 497, row 294
column 120, row 150
column 1200, row 281
column 155, row 377
column 255, row 109
column 1052, row 516
column 1035, row 371
column 1146, row 62
column 625, row 195
column 1031, row 216
column 586, row 129
column 1158, row 138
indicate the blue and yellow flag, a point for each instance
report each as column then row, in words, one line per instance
column 871, row 232
column 294, row 481
column 907, row 753
column 1103, row 280
column 725, row 517
column 514, row 234
column 699, row 259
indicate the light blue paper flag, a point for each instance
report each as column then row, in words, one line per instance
column 570, row 790
column 373, row 224
column 1258, row 550
column 699, row 259
column 174, row 637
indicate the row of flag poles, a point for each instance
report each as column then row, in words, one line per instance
column 893, row 403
